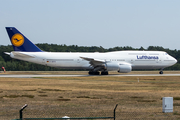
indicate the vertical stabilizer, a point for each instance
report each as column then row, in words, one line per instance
column 20, row 42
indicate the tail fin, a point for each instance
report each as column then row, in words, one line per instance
column 20, row 42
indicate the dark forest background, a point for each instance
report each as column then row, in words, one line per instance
column 17, row 65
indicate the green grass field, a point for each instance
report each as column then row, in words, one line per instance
column 89, row 96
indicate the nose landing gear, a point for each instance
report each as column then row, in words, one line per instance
column 161, row 72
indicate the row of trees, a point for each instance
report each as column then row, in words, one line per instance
column 16, row 65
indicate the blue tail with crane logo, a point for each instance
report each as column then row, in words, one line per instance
column 20, row 42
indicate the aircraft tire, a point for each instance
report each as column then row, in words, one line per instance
column 93, row 73
column 96, row 73
column 90, row 73
column 161, row 72
column 104, row 73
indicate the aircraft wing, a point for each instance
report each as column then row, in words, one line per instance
column 94, row 62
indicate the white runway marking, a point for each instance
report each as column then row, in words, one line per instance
column 31, row 76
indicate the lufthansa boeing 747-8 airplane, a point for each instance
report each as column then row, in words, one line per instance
column 121, row 61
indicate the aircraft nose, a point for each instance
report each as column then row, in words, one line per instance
column 175, row 61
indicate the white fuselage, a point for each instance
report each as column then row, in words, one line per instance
column 137, row 59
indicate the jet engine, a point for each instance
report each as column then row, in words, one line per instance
column 120, row 67
column 124, row 68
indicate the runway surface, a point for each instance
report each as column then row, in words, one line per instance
column 31, row 76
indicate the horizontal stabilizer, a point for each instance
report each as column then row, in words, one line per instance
column 7, row 53
column 21, row 55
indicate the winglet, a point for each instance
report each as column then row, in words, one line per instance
column 20, row 42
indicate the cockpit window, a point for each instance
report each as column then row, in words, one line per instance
column 166, row 54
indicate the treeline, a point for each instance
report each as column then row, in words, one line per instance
column 17, row 65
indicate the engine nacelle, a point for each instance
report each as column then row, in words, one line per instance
column 125, row 68
column 112, row 66
column 120, row 67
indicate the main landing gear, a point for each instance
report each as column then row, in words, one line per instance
column 93, row 73
column 97, row 73
column 104, row 73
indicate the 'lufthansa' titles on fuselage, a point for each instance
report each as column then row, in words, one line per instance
column 147, row 57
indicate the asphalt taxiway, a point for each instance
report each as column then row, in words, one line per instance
column 33, row 76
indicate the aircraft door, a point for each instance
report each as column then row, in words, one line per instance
column 78, row 60
column 132, row 61
column 159, row 60
column 44, row 61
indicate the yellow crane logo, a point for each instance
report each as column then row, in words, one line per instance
column 17, row 40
